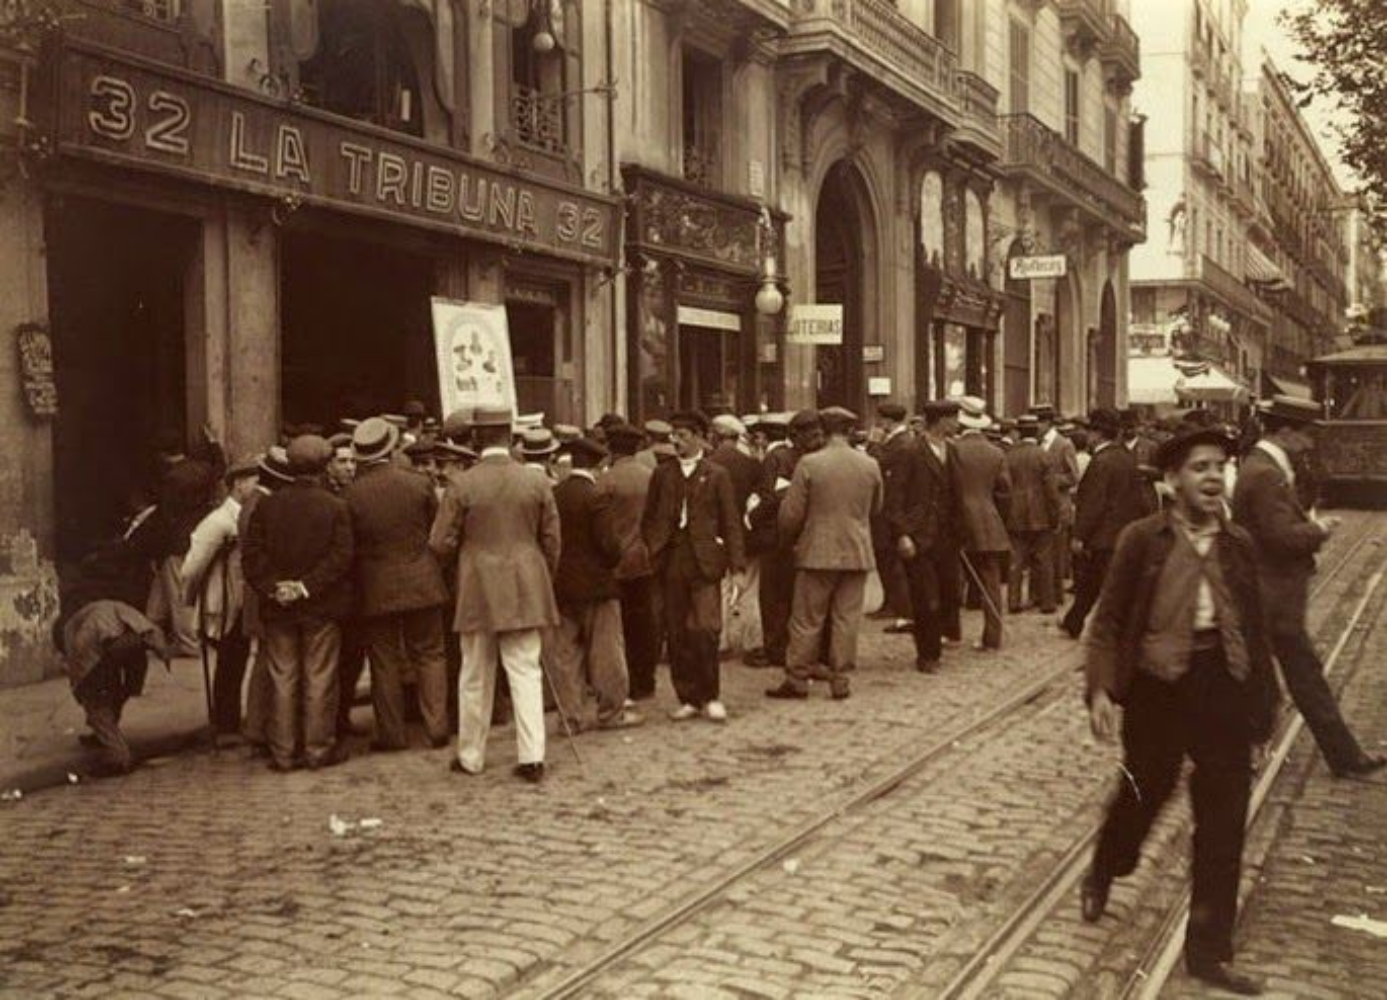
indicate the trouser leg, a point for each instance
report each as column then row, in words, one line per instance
column 638, row 631
column 321, row 643
column 1016, row 571
column 519, row 652
column 564, row 665
column 351, row 661
column 606, row 660
column 423, row 637
column 1305, row 680
column 894, row 590
column 1087, row 588
column 692, row 611
column 283, row 657
column 476, row 691
column 924, row 605
column 987, row 567
column 233, row 652
column 777, row 587
column 1042, row 557
column 808, row 615
column 453, row 651
column 259, row 697
column 1153, row 743
column 948, row 572
column 168, row 610
column 384, row 637
column 102, row 696
column 845, row 623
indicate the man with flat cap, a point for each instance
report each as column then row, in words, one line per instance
column 919, row 510
column 625, row 484
column 1180, row 641
column 1287, row 537
column 890, row 453
column 827, row 513
column 499, row 522
column 983, row 490
column 297, row 555
column 399, row 586
column 587, row 659
column 1107, row 501
column 694, row 532
column 777, row 585
column 657, row 435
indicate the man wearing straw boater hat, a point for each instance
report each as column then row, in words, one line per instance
column 399, row 586
column 983, row 490
column 499, row 522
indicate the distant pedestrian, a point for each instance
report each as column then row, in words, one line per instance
column 828, row 512
column 983, row 490
column 1063, row 456
column 626, row 483
column 1032, row 520
column 741, row 613
column 889, row 452
column 499, row 522
column 1179, row 640
column 694, row 532
column 297, row 553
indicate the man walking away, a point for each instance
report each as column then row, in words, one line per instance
column 297, row 554
column 983, row 489
column 694, row 533
column 1286, row 538
column 499, row 521
column 828, row 512
column 1032, row 519
column 588, row 665
column 1179, row 640
column 625, row 485
column 1106, row 503
column 890, row 452
column 399, row 586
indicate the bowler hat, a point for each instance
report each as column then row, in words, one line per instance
column 492, row 416
column 416, row 410
column 625, row 437
column 538, row 442
column 1290, row 410
column 585, row 451
column 692, row 420
column 1174, row 450
column 274, row 466
column 457, row 423
column 374, row 439
column 308, row 454
column 934, row 409
column 891, row 411
column 972, row 413
column 1106, row 420
column 805, row 420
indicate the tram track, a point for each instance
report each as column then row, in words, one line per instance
column 1059, row 884
column 1054, row 681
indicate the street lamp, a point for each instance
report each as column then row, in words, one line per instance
column 543, row 40
column 769, row 299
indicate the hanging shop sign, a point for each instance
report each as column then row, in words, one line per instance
column 816, row 323
column 122, row 110
column 472, row 347
column 1053, row 265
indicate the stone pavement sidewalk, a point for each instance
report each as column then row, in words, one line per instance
column 40, row 724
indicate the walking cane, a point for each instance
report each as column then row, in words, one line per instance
column 968, row 565
column 563, row 719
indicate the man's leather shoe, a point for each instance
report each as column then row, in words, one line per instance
column 840, row 693
column 378, row 747
column 927, row 666
column 756, row 658
column 788, row 691
column 533, row 773
column 1094, row 896
column 1225, row 977
column 1362, row 766
column 456, row 767
column 900, row 628
column 337, row 755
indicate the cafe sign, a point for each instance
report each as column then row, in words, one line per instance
column 1054, row 265
column 119, row 109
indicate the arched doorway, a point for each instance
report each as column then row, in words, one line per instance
column 1102, row 360
column 840, row 236
column 1016, row 341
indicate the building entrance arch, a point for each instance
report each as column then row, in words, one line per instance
column 843, row 230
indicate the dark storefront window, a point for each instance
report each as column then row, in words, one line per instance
column 702, row 116
column 362, row 68
column 540, row 332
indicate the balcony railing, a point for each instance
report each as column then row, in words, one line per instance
column 875, row 36
column 701, row 164
column 537, row 119
column 1085, row 19
column 1046, row 156
column 977, row 100
column 1122, row 49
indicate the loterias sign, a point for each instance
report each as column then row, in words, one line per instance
column 123, row 110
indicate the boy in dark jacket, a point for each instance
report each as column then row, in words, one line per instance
column 1179, row 640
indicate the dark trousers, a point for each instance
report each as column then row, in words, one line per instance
column 693, row 623
column 1204, row 716
column 776, row 593
column 393, row 642
column 233, row 653
column 922, row 576
column 948, row 573
column 638, row 632
column 1304, row 674
column 988, row 568
column 350, row 663
column 1090, row 572
column 895, row 588
column 103, row 694
column 302, row 662
column 1031, row 556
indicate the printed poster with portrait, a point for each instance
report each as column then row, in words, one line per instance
column 472, row 346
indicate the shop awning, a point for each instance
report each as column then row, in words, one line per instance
column 1151, row 381
column 1262, row 270
column 1211, row 386
column 1283, row 386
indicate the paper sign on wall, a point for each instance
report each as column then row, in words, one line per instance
column 816, row 323
column 472, row 348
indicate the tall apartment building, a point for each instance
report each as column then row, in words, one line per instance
column 1191, row 295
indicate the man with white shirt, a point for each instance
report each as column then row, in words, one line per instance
column 693, row 530
column 1286, row 538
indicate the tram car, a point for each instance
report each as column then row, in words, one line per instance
column 1351, row 438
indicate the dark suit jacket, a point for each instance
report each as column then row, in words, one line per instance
column 1115, row 634
column 626, row 485
column 715, row 525
column 1035, row 495
column 744, row 470
column 300, row 532
column 591, row 548
column 893, row 455
column 920, row 497
column 1285, row 539
column 765, row 530
column 1107, row 500
column 983, row 489
column 392, row 513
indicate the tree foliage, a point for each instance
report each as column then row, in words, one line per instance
column 1345, row 41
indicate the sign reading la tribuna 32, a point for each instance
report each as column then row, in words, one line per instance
column 123, row 110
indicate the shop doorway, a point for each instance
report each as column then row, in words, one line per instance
column 708, row 368
column 840, row 236
column 357, row 334
column 538, row 318
column 116, row 279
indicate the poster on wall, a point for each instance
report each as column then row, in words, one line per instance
column 472, row 347
column 816, row 323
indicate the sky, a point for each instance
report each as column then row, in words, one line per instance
column 1261, row 31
